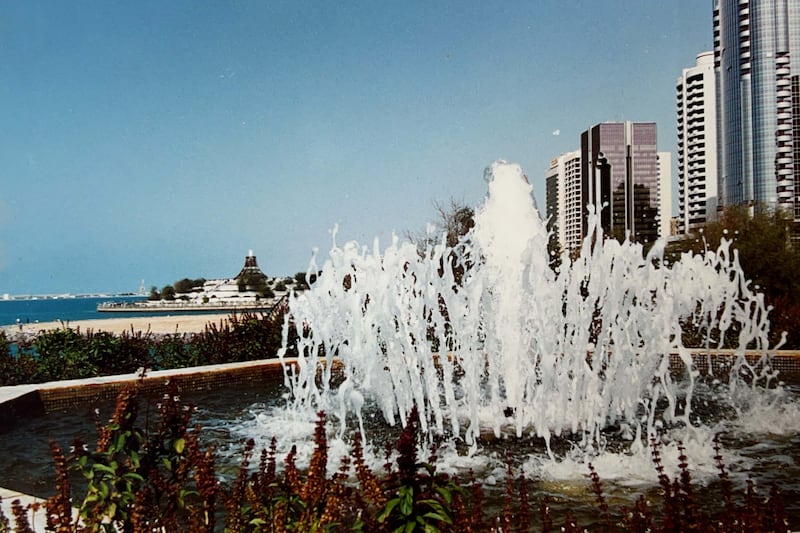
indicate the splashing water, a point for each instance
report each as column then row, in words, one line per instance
column 486, row 338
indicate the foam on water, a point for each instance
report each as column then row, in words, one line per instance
column 485, row 338
column 767, row 412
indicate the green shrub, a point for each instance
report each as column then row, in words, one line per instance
column 244, row 337
column 173, row 351
column 15, row 369
column 63, row 354
column 67, row 353
column 139, row 478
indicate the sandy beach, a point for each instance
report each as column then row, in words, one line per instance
column 153, row 324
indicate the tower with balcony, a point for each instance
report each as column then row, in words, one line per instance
column 697, row 144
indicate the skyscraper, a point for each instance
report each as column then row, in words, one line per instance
column 664, row 194
column 620, row 172
column 564, row 211
column 618, row 168
column 757, row 64
column 697, row 144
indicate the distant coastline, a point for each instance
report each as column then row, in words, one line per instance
column 6, row 297
column 182, row 307
column 250, row 291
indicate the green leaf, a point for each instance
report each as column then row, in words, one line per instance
column 119, row 441
column 390, row 505
column 133, row 476
column 184, row 493
column 406, row 500
column 445, row 493
column 438, row 508
column 104, row 468
column 430, row 528
column 179, row 445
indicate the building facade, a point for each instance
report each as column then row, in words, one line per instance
column 665, row 195
column 564, row 212
column 620, row 174
column 697, row 144
column 757, row 64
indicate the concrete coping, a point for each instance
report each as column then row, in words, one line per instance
column 14, row 391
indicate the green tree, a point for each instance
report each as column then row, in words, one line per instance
column 168, row 292
column 300, row 281
column 763, row 244
column 185, row 285
column 253, row 282
column 154, row 294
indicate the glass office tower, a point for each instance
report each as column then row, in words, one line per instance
column 620, row 171
column 757, row 63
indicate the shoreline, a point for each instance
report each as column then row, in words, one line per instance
column 159, row 325
column 138, row 309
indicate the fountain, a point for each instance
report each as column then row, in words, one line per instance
column 491, row 342
column 503, row 354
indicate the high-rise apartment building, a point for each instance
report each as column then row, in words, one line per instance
column 757, row 67
column 620, row 173
column 697, row 144
column 564, row 212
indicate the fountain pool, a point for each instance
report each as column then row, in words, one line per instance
column 493, row 344
column 503, row 354
column 762, row 443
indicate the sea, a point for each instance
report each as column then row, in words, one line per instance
column 47, row 309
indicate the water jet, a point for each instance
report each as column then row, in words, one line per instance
column 569, row 353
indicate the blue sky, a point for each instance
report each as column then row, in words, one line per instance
column 161, row 140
